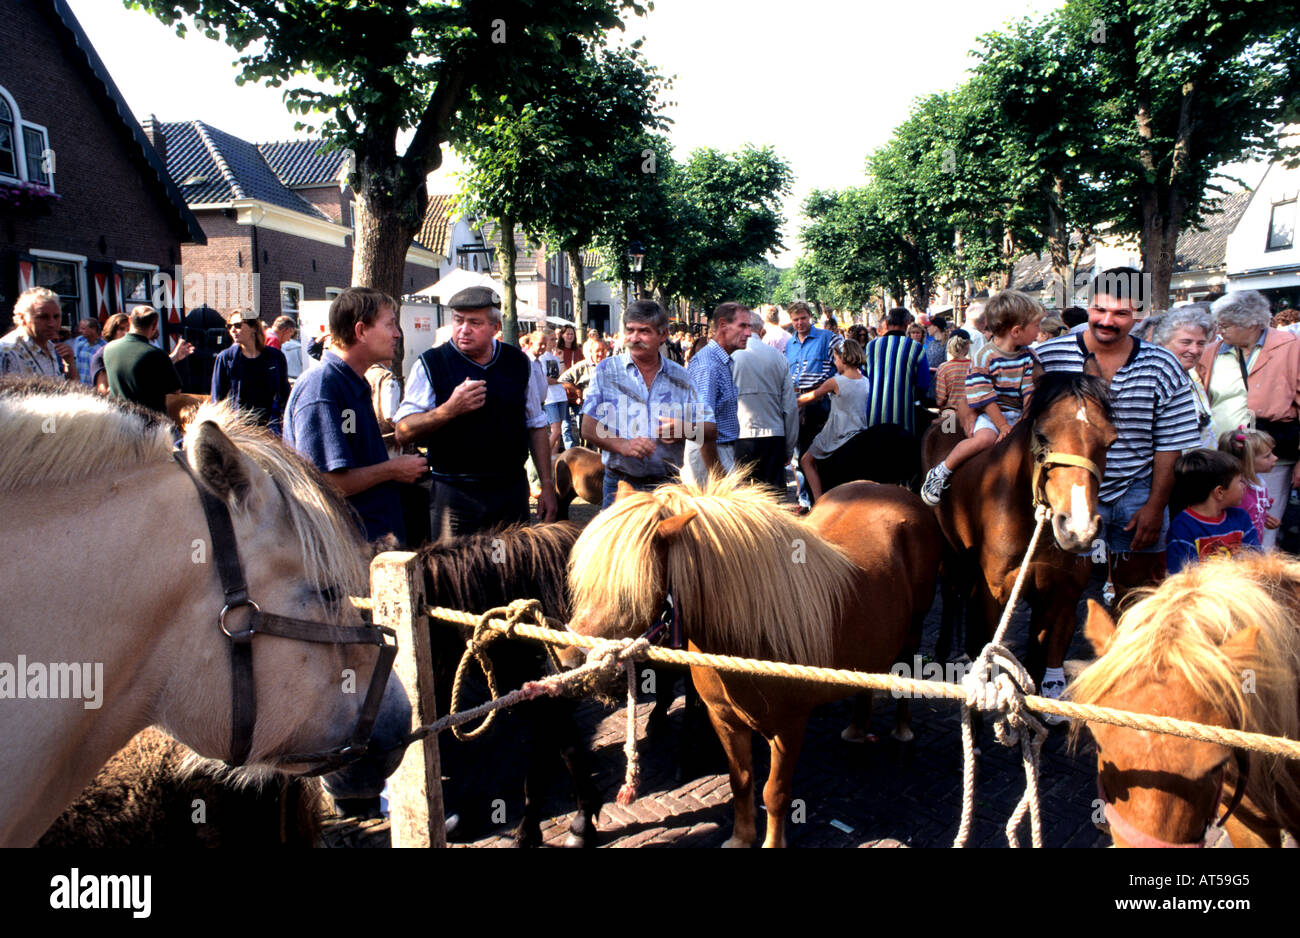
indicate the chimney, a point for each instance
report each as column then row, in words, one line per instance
column 153, row 130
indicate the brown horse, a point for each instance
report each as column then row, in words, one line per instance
column 1218, row 644
column 579, row 473
column 845, row 588
column 1055, row 455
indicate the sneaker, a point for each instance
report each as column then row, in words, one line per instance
column 1054, row 690
column 936, row 480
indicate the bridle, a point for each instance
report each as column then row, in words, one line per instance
column 243, row 701
column 1136, row 838
column 1045, row 460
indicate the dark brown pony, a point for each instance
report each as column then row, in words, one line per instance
column 987, row 517
column 578, row 474
column 476, row 573
column 845, row 588
column 1218, row 644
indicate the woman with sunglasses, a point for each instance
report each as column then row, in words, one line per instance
column 251, row 373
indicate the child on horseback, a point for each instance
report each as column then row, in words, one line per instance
column 1255, row 450
column 999, row 384
column 848, row 411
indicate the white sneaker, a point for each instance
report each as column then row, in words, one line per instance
column 936, row 480
column 1053, row 690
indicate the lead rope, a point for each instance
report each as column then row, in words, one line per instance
column 1003, row 693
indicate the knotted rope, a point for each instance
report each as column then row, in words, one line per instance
column 1002, row 693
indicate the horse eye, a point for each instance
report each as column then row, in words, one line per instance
column 329, row 594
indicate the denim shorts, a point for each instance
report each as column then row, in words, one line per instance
column 557, row 412
column 1115, row 515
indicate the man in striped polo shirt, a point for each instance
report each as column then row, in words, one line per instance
column 1155, row 416
column 808, row 353
column 897, row 374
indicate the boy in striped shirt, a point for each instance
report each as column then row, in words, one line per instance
column 999, row 384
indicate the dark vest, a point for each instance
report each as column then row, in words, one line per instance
column 493, row 440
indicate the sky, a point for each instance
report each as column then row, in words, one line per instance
column 822, row 81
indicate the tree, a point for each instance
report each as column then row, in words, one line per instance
column 1186, row 87
column 396, row 66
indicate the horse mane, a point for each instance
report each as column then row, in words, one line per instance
column 734, row 569
column 1054, row 385
column 478, row 572
column 1177, row 630
column 333, row 553
column 59, row 433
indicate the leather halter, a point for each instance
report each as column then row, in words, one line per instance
column 1045, row 460
column 243, row 701
column 1136, row 838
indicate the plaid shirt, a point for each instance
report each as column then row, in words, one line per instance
column 85, row 352
column 710, row 371
column 618, row 399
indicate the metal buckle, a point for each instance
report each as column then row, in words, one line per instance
column 236, row 636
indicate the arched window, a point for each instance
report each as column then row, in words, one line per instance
column 8, row 141
column 25, row 152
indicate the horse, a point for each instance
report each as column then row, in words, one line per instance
column 1218, row 644
column 84, row 477
column 579, row 473
column 480, row 572
column 1055, row 455
column 884, row 453
column 844, row 588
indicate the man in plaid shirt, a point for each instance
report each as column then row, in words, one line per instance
column 85, row 346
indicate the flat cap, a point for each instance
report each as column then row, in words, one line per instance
column 474, row 298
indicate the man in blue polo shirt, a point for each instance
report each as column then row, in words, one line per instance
column 808, row 353
column 710, row 372
column 330, row 418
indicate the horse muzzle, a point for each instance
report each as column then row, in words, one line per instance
column 1075, row 536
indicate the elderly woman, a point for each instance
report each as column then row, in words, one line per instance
column 1254, row 372
column 1185, row 332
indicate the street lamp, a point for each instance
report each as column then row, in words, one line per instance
column 636, row 261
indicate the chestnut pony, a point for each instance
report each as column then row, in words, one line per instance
column 1218, row 644
column 1055, row 454
column 848, row 587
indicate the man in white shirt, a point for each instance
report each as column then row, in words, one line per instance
column 767, row 408
column 30, row 350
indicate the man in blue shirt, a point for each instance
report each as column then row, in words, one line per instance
column 330, row 418
column 897, row 373
column 808, row 354
column 711, row 376
column 640, row 407
column 84, row 347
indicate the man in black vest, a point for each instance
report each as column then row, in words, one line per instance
column 476, row 403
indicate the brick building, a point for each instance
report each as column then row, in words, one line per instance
column 114, row 217
column 277, row 210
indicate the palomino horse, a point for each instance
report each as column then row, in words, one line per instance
column 90, row 479
column 843, row 589
column 1217, row 644
column 1055, row 455
column 479, row 572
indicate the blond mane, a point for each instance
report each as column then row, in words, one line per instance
column 55, row 434
column 1175, row 632
column 750, row 579
column 331, row 546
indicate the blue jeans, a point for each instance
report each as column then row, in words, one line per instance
column 612, row 479
column 1115, row 515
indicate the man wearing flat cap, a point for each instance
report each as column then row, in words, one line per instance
column 476, row 403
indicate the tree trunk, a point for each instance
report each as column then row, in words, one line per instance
column 578, row 276
column 1058, row 245
column 385, row 225
column 509, row 313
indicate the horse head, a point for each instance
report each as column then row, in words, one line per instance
column 1071, row 428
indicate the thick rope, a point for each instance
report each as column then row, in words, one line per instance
column 627, row 794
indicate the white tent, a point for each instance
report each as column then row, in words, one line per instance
column 460, row 279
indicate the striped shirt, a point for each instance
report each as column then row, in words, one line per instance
column 897, row 373
column 810, row 360
column 998, row 378
column 1154, row 408
column 710, row 372
column 950, row 382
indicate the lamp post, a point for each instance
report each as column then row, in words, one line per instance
column 636, row 261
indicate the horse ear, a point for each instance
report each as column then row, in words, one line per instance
column 219, row 463
column 624, row 490
column 1243, row 645
column 1099, row 627
column 1092, row 367
column 669, row 528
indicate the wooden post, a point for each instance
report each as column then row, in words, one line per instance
column 415, row 789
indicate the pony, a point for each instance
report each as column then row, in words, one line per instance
column 480, row 572
column 579, row 473
column 987, row 517
column 843, row 588
column 1218, row 644
column 144, row 797
column 88, row 478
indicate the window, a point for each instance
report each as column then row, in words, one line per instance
column 554, row 264
column 568, row 310
column 35, row 144
column 332, row 292
column 8, row 145
column 1281, row 226
column 136, row 286
column 64, row 278
column 475, row 263
column 290, row 298
column 555, row 307
column 564, row 270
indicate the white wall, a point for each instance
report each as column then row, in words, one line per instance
column 1250, row 265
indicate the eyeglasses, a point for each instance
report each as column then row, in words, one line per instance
column 236, row 326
